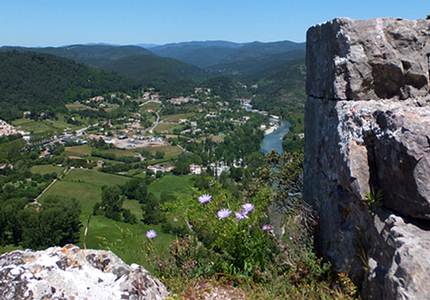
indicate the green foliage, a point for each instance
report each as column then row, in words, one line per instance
column 238, row 248
column 55, row 223
column 159, row 155
column 128, row 217
column 151, row 209
column 135, row 189
column 40, row 82
column 224, row 87
column 111, row 205
column 374, row 200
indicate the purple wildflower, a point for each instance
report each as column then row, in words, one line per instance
column 247, row 208
column 240, row 216
column 203, row 199
column 267, row 227
column 223, row 213
column 151, row 234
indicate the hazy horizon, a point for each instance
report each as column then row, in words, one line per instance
column 52, row 23
column 142, row 44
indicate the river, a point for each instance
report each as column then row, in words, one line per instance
column 273, row 141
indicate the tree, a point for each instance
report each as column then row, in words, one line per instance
column 151, row 210
column 55, row 223
column 112, row 201
column 135, row 189
column 128, row 217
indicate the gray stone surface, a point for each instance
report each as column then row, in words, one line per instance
column 72, row 273
column 373, row 59
column 368, row 130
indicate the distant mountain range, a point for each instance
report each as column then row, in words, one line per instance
column 176, row 68
column 209, row 54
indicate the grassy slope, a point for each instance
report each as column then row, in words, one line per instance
column 46, row 169
column 126, row 240
column 47, row 127
column 172, row 184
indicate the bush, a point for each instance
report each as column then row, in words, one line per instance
column 236, row 247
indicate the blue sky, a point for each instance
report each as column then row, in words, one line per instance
column 62, row 22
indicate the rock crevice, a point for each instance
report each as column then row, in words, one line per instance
column 367, row 130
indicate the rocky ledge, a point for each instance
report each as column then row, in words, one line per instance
column 73, row 273
column 367, row 133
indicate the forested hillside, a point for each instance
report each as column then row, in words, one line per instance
column 276, row 70
column 36, row 82
column 133, row 62
column 201, row 54
column 169, row 75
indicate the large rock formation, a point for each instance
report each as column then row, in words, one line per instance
column 72, row 273
column 368, row 132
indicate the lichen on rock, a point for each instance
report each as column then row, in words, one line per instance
column 73, row 273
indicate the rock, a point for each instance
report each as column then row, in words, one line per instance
column 72, row 273
column 367, row 129
column 373, row 59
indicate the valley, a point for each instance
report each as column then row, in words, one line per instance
column 124, row 166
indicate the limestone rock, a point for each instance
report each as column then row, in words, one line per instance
column 373, row 59
column 367, row 129
column 72, row 273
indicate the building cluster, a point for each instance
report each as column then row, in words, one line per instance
column 160, row 168
column 182, row 100
column 202, row 91
column 151, row 95
column 7, row 130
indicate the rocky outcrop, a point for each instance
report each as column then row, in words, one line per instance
column 367, row 131
column 72, row 273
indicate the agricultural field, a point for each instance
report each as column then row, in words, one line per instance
column 47, row 127
column 165, row 128
column 176, row 117
column 169, row 151
column 126, row 240
column 172, row 184
column 80, row 151
column 150, row 106
column 77, row 106
column 86, row 151
column 47, row 169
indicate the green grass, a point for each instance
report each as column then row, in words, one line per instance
column 9, row 248
column 81, row 151
column 126, row 240
column 176, row 117
column 165, row 128
column 119, row 152
column 134, row 207
column 169, row 151
column 46, row 127
column 85, row 186
column 172, row 184
column 47, row 169
column 154, row 106
column 78, row 106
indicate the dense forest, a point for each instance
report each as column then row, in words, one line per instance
column 37, row 82
column 133, row 62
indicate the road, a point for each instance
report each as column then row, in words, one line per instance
column 66, row 171
column 157, row 121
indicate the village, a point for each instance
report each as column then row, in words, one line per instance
column 147, row 128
